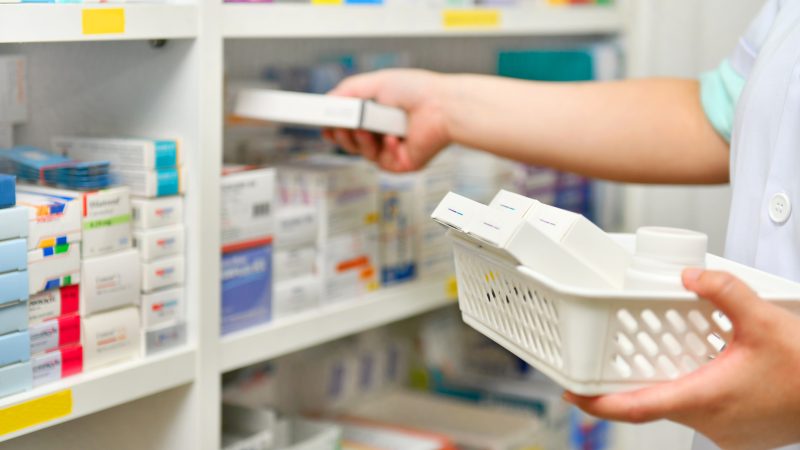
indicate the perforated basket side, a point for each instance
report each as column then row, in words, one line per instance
column 662, row 340
column 496, row 295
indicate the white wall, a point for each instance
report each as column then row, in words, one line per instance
column 684, row 38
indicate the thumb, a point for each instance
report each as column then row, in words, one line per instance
column 732, row 296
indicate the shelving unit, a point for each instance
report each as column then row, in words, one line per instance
column 95, row 391
column 303, row 21
column 332, row 322
column 72, row 22
column 177, row 89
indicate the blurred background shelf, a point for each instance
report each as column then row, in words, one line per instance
column 309, row 21
column 328, row 323
column 67, row 23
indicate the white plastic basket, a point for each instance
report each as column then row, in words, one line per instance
column 594, row 341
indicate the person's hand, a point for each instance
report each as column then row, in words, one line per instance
column 419, row 93
column 748, row 397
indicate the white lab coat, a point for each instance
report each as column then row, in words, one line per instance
column 764, row 227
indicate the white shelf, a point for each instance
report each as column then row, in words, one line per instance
column 65, row 22
column 116, row 385
column 331, row 322
column 299, row 21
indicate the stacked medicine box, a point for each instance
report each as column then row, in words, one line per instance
column 297, row 282
column 54, row 269
column 434, row 252
column 15, row 349
column 399, row 226
column 152, row 172
column 110, row 277
column 248, row 229
column 344, row 193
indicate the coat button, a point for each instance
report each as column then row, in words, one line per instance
column 780, row 208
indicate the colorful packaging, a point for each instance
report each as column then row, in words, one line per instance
column 122, row 152
column 246, row 288
column 52, row 220
column 56, row 333
column 163, row 307
column 56, row 365
column 8, row 191
column 54, row 303
column 163, row 273
column 348, row 265
column 160, row 242
column 53, row 267
column 248, row 209
column 105, row 217
column 157, row 212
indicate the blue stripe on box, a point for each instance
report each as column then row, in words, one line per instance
column 48, row 251
column 61, row 240
column 168, row 182
column 166, row 154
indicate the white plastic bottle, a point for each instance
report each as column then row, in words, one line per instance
column 661, row 255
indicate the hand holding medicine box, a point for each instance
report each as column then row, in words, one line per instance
column 320, row 110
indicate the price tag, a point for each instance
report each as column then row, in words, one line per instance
column 35, row 412
column 471, row 18
column 103, row 21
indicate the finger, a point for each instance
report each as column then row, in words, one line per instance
column 727, row 292
column 367, row 144
column 396, row 154
column 668, row 400
column 344, row 138
column 327, row 134
column 363, row 86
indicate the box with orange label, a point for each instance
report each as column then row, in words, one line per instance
column 52, row 220
column 349, row 266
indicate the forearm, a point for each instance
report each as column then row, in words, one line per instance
column 648, row 131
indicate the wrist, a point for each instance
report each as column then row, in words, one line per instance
column 446, row 88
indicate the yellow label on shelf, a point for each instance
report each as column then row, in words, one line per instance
column 34, row 412
column 471, row 18
column 326, row 2
column 103, row 21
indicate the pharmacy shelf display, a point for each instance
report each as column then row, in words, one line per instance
column 300, row 20
column 93, row 391
column 72, row 22
column 332, row 322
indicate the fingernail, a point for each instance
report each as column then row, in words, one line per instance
column 692, row 274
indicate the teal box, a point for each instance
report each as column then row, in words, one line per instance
column 547, row 65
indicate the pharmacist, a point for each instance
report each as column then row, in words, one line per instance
column 740, row 123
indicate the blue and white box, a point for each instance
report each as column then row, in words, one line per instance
column 13, row 316
column 246, row 288
column 13, row 286
column 16, row 378
column 13, row 223
column 13, row 255
column 15, row 348
column 122, row 152
column 8, row 191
